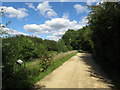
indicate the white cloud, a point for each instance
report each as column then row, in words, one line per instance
column 65, row 15
column 45, row 10
column 15, row 32
column 53, row 37
column 100, row 2
column 83, row 21
column 56, row 36
column 12, row 12
column 30, row 5
column 64, row 0
column 59, row 34
column 56, row 26
column 34, row 28
column 81, row 9
column 53, row 25
column 90, row 2
column 12, row 32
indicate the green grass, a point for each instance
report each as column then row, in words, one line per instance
column 57, row 62
column 35, row 62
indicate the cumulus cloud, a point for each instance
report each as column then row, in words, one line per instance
column 83, row 21
column 56, row 36
column 91, row 2
column 34, row 28
column 53, row 37
column 65, row 15
column 12, row 12
column 56, row 26
column 45, row 10
column 12, row 32
column 30, row 5
column 81, row 9
column 53, row 25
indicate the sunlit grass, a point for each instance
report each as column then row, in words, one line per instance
column 58, row 60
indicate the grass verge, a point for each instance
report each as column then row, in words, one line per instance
column 55, row 64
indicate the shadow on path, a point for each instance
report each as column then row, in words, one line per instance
column 95, row 70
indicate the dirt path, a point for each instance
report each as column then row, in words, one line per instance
column 78, row 72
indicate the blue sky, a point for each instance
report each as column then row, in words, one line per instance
column 47, row 20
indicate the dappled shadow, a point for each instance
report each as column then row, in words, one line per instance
column 95, row 70
column 38, row 87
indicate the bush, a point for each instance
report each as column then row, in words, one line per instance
column 27, row 49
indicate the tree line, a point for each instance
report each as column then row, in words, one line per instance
column 79, row 39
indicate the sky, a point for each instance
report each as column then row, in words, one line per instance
column 47, row 20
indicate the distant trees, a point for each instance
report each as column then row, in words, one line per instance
column 68, row 36
column 28, row 48
column 83, row 39
column 50, row 45
column 79, row 39
column 61, row 46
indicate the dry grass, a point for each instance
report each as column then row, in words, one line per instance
column 62, row 55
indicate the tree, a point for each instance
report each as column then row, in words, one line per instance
column 69, row 36
column 79, row 39
column 84, row 39
column 51, row 45
column 61, row 46
column 104, row 21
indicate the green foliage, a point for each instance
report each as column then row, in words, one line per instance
column 83, row 39
column 15, row 48
column 35, row 39
column 79, row 39
column 62, row 46
column 27, row 49
column 50, row 45
column 39, row 50
column 69, row 36
column 104, row 21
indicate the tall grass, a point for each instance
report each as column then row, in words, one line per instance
column 32, row 72
column 57, row 60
